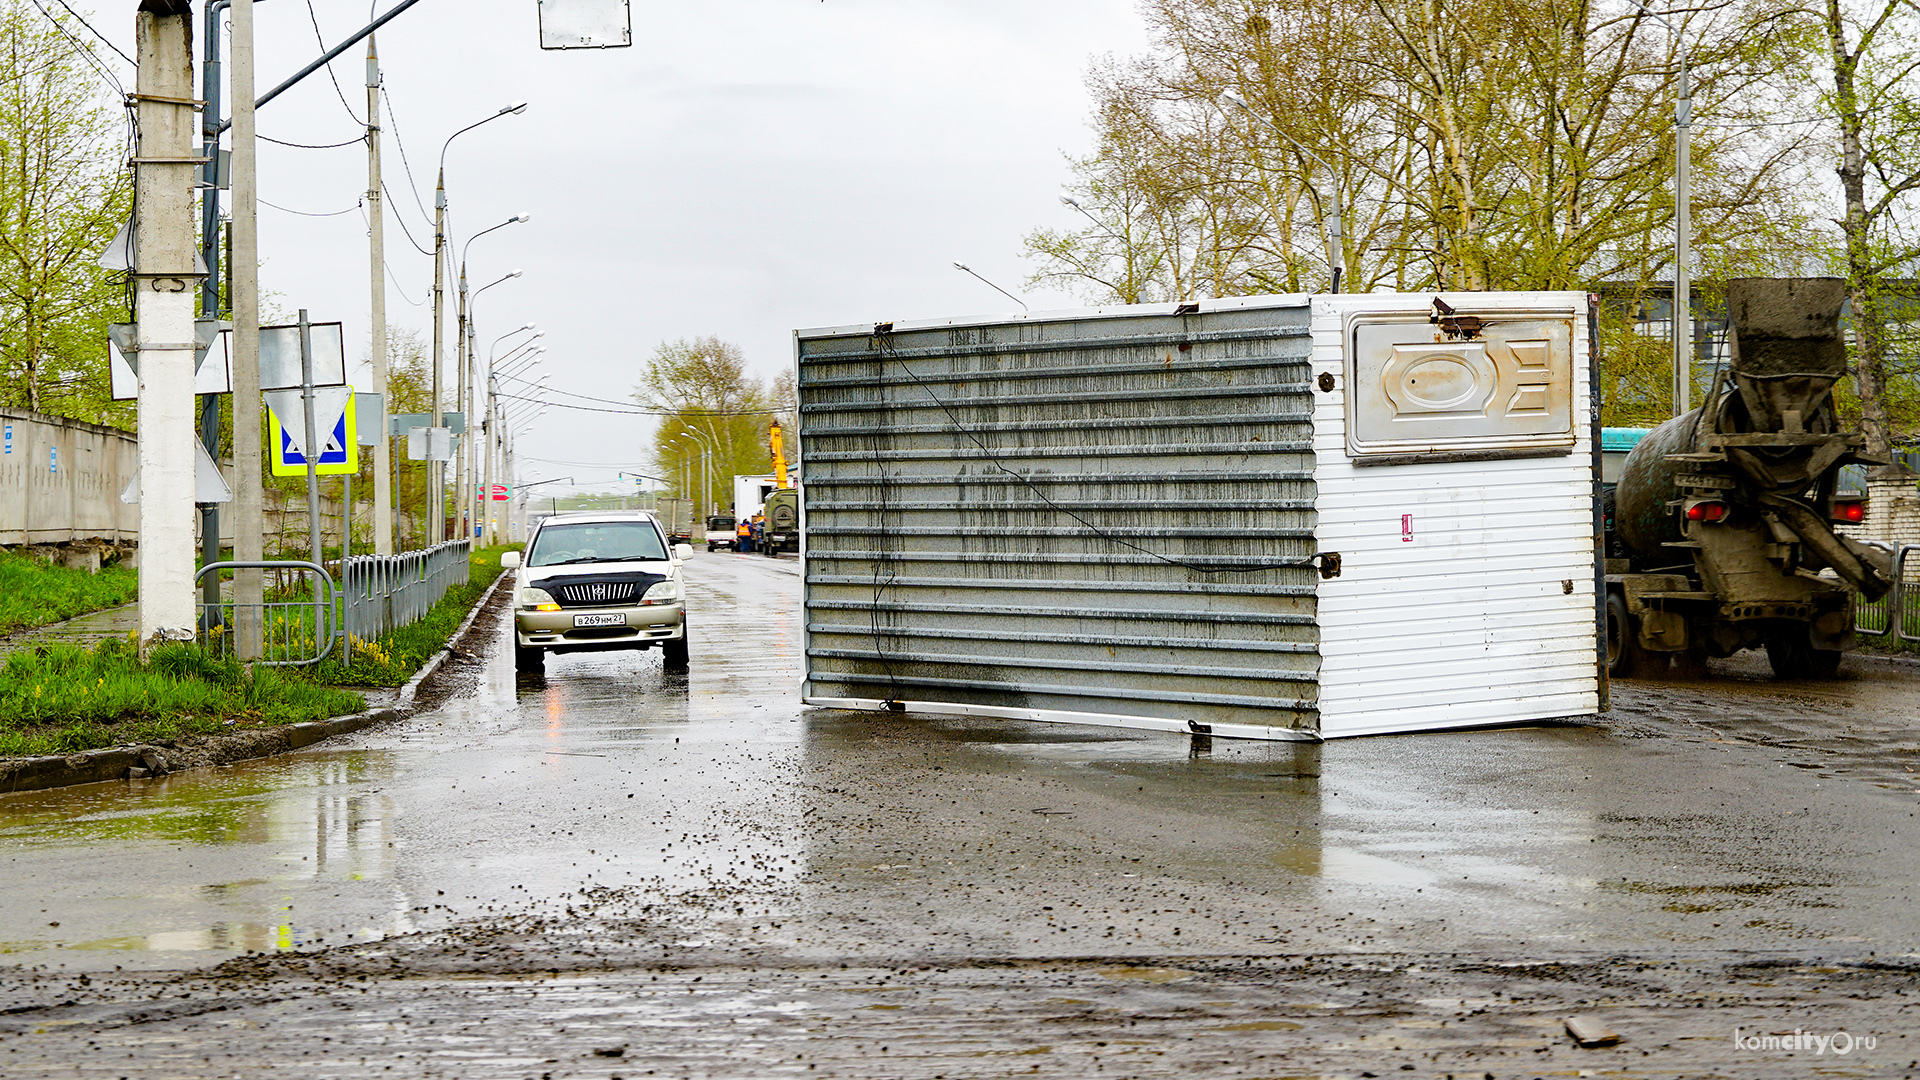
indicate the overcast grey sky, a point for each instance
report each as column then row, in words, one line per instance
column 745, row 168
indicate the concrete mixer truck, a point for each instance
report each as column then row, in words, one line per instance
column 1721, row 534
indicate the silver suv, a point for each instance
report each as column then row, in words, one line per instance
column 598, row 581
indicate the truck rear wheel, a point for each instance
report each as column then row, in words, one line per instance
column 1625, row 657
column 1793, row 656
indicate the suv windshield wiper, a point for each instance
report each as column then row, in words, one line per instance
column 601, row 558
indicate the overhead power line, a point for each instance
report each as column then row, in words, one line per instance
column 313, row 146
column 86, row 53
column 306, row 213
column 89, row 26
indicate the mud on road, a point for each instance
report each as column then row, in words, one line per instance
column 610, row 870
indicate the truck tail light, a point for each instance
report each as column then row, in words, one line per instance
column 1707, row 510
column 1850, row 513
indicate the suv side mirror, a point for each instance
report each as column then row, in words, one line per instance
column 683, row 551
column 510, row 560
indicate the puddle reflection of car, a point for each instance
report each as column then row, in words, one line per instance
column 591, row 582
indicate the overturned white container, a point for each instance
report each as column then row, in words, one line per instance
column 1275, row 517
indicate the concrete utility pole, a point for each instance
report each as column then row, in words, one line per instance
column 249, row 518
column 462, row 357
column 377, row 249
column 489, row 532
column 439, row 288
column 163, row 311
column 437, row 491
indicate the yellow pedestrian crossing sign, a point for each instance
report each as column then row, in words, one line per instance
column 340, row 449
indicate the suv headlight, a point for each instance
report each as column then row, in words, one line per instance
column 538, row 600
column 662, row 592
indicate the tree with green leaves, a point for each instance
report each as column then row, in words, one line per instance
column 64, row 192
column 1495, row 145
column 1872, row 60
column 703, row 389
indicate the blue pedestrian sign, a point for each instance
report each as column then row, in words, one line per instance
column 339, row 455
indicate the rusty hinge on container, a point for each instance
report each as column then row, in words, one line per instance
column 1328, row 563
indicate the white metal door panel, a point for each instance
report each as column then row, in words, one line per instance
column 1467, row 588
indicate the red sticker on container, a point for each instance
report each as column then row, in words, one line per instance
column 1406, row 528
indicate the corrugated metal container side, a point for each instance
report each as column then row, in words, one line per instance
column 1467, row 589
column 1095, row 517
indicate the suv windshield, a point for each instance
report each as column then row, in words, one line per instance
column 596, row 541
column 719, row 523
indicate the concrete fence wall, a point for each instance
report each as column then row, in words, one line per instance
column 60, row 481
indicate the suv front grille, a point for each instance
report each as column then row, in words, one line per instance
column 599, row 594
column 600, row 590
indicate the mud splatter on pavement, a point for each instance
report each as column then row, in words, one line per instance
column 611, row 870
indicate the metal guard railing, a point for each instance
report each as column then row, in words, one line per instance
column 1898, row 612
column 382, row 593
column 301, row 622
column 292, row 631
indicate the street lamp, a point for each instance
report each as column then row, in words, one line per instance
column 970, row 270
column 437, row 517
column 493, row 350
column 519, row 362
column 709, row 451
column 1336, row 241
column 1682, row 222
column 464, row 392
column 1130, row 287
column 492, row 440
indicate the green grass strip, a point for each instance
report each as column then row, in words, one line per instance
column 392, row 659
column 35, row 593
column 61, row 699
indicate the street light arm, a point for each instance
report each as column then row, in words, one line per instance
column 510, row 333
column 514, row 367
column 514, row 220
column 1068, row 200
column 491, row 284
column 514, row 108
column 968, row 269
column 1336, row 225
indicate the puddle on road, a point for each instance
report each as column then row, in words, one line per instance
column 521, row 798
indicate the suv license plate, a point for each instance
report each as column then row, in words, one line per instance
column 600, row 620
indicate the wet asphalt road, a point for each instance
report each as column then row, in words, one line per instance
column 609, row 870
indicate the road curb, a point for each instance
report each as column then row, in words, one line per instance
column 412, row 689
column 121, row 762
